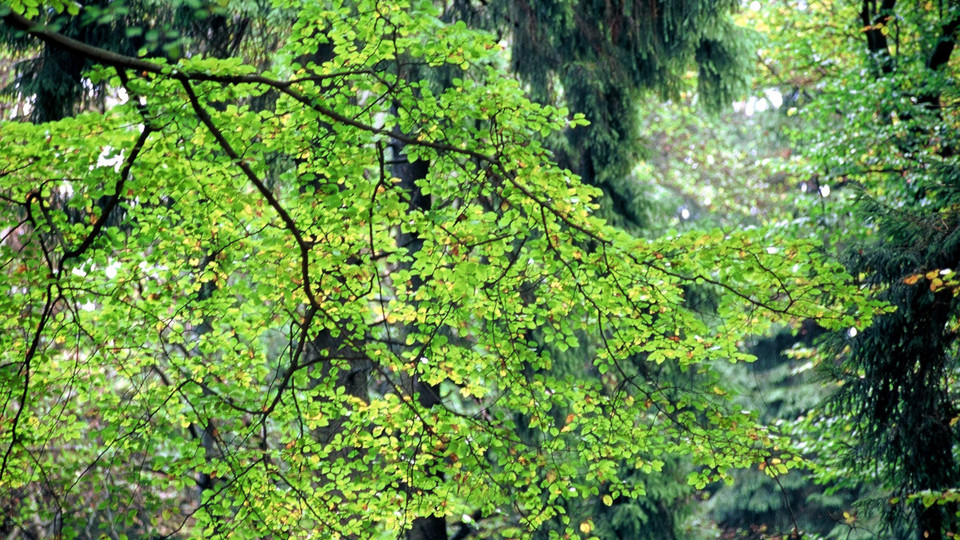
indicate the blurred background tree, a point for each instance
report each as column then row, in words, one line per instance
column 869, row 105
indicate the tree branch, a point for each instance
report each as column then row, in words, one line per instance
column 109, row 58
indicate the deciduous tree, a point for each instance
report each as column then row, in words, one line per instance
column 173, row 335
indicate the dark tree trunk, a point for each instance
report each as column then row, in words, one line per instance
column 427, row 527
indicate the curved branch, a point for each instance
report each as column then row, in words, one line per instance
column 25, row 369
column 110, row 58
column 111, row 204
column 265, row 192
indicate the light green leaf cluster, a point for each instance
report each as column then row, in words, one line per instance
column 189, row 278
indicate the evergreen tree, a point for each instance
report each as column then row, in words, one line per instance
column 52, row 79
column 879, row 127
column 604, row 59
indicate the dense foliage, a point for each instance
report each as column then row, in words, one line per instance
column 869, row 103
column 224, row 308
column 606, row 60
column 893, row 153
column 370, row 269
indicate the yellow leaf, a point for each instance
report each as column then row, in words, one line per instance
column 910, row 280
column 586, row 527
column 608, row 500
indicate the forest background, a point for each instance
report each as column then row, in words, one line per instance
column 479, row 269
